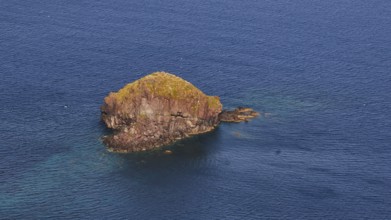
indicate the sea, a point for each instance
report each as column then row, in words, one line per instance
column 319, row 72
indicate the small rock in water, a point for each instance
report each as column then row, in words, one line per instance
column 167, row 152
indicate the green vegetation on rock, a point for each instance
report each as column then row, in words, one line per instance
column 164, row 85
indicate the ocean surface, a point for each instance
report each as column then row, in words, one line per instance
column 319, row 71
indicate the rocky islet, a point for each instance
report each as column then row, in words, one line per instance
column 160, row 109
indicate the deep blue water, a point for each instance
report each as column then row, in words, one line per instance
column 319, row 71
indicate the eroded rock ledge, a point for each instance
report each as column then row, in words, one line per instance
column 238, row 115
column 159, row 109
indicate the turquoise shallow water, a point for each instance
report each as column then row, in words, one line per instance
column 318, row 71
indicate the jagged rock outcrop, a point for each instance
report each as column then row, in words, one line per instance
column 238, row 115
column 156, row 110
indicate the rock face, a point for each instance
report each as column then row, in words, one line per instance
column 157, row 110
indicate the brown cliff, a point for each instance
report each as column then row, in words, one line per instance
column 157, row 110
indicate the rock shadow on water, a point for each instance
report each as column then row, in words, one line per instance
column 159, row 171
column 197, row 147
